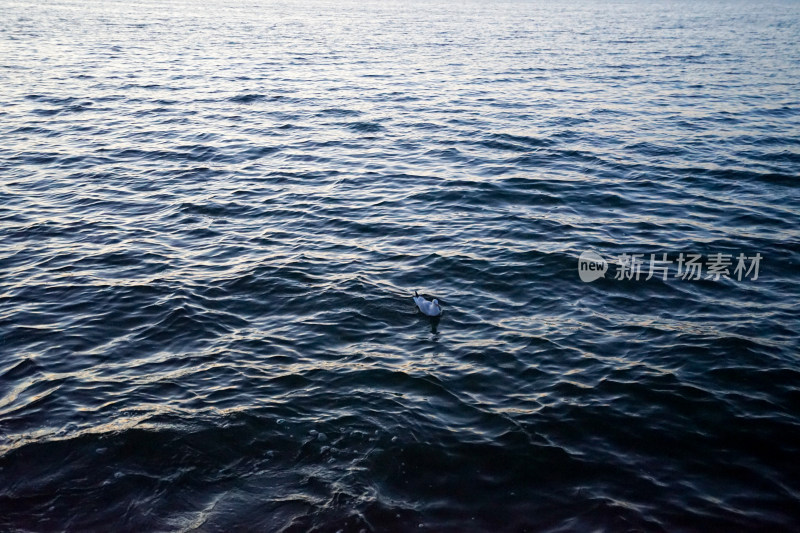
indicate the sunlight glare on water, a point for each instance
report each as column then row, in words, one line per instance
column 213, row 218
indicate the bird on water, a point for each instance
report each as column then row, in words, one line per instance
column 427, row 307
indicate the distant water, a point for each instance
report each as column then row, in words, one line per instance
column 213, row 216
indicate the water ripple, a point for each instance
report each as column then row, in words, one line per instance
column 213, row 221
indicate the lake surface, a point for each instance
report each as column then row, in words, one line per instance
column 213, row 216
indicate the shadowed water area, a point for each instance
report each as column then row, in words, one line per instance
column 213, row 216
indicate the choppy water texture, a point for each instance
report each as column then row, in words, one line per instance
column 213, row 216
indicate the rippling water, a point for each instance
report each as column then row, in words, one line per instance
column 213, row 216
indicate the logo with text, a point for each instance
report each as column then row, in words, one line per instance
column 591, row 266
column 716, row 266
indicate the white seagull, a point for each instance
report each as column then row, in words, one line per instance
column 429, row 308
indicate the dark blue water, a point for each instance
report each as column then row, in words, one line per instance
column 213, row 216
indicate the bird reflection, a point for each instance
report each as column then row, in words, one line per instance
column 434, row 320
